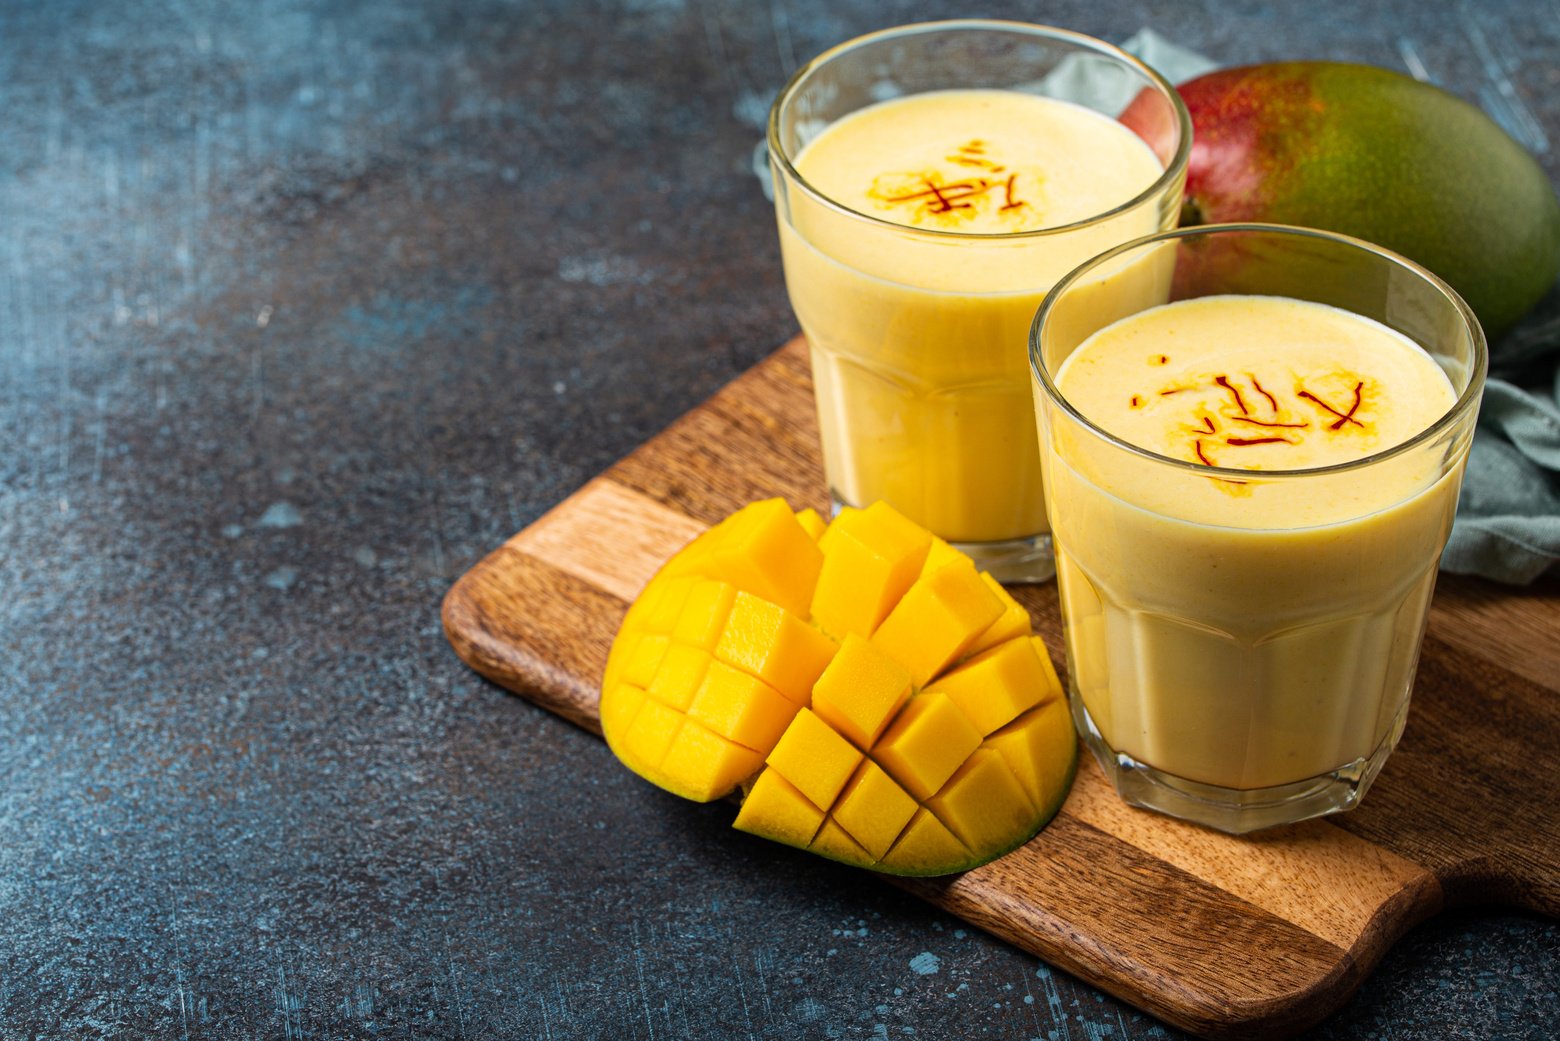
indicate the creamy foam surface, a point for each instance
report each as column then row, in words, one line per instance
column 1256, row 383
column 979, row 162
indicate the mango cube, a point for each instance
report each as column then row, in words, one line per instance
column 834, row 842
column 925, row 843
column 1012, row 623
column 860, row 691
column 644, row 658
column 940, row 616
column 670, row 595
column 811, row 523
column 774, row 809
column 680, row 673
column 870, row 557
column 873, row 810
column 711, row 764
column 770, row 555
column 814, row 758
column 927, row 742
column 704, row 613
column 940, row 555
column 654, row 728
column 773, row 644
column 618, row 710
column 994, row 687
column 1041, row 750
column 984, row 805
column 741, row 707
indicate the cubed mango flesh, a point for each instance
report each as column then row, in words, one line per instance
column 929, row 740
column 993, row 688
column 938, row 618
column 877, row 700
column 679, row 675
column 779, row 648
column 834, row 842
column 770, row 556
column 870, row 558
column 814, row 757
column 939, row 555
column 860, row 691
column 983, row 804
column 644, row 658
column 1040, row 748
column 1013, row 622
column 925, row 844
column 705, row 611
column 709, row 765
column 811, row 523
column 740, row 707
column 774, row 809
column 872, row 809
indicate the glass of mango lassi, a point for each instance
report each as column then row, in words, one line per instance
column 1253, row 439
column 931, row 183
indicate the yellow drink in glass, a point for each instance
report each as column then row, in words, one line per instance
column 1249, row 495
column 919, row 234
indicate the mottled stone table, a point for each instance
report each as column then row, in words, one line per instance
column 306, row 306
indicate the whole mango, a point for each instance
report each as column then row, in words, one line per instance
column 1378, row 155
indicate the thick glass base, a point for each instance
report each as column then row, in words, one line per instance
column 1013, row 561
column 1234, row 810
column 1010, row 562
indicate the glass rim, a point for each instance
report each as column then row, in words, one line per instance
column 1173, row 170
column 1467, row 398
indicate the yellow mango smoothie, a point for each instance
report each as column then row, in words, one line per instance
column 1246, row 628
column 975, row 202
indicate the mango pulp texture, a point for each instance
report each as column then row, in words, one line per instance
column 877, row 700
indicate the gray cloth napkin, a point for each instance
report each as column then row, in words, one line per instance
column 1508, row 519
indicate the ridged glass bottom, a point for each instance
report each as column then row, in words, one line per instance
column 1233, row 810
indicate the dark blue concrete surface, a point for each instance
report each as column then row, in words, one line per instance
column 305, row 306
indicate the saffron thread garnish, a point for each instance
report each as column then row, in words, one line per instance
column 1240, row 402
column 1260, row 390
column 934, row 190
column 943, row 200
column 1343, row 417
column 1359, row 387
column 1200, row 453
column 1011, row 203
column 1270, row 423
column 1243, row 442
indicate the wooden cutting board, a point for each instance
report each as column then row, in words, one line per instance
column 1221, row 936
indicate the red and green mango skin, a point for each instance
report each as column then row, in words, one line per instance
column 1380, row 156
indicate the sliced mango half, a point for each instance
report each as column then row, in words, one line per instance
column 875, row 698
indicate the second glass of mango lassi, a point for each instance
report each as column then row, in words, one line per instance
column 931, row 183
column 1252, row 463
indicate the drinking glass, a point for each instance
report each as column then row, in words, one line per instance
column 1226, row 667
column 917, row 335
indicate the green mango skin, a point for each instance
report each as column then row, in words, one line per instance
column 1378, row 155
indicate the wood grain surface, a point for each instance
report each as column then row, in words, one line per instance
column 1258, row 936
